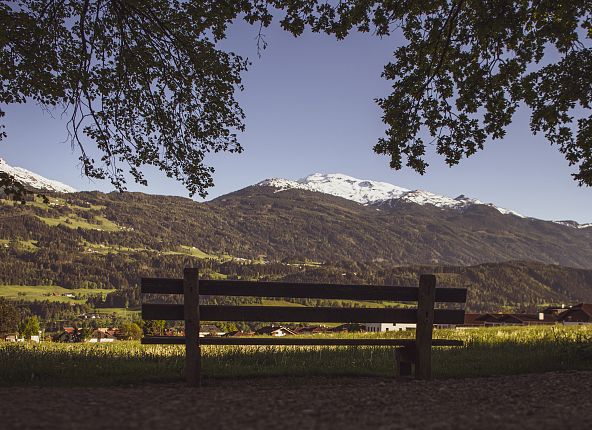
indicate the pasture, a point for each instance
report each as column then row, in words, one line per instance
column 487, row 352
column 52, row 293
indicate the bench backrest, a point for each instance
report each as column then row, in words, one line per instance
column 208, row 287
column 425, row 316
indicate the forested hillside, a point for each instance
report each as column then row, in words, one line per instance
column 259, row 223
column 492, row 287
column 108, row 241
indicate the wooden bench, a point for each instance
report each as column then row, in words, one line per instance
column 410, row 352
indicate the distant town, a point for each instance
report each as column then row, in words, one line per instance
column 579, row 314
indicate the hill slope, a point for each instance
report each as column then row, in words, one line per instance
column 95, row 240
column 297, row 224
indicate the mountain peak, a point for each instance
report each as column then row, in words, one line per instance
column 341, row 185
column 359, row 190
column 33, row 180
column 368, row 192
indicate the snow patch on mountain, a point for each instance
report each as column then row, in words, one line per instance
column 573, row 224
column 371, row 192
column 340, row 185
column 33, row 180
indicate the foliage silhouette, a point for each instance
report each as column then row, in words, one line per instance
column 146, row 82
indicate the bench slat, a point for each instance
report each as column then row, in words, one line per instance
column 210, row 287
column 293, row 341
column 298, row 314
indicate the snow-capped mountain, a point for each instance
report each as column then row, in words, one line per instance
column 33, row 180
column 373, row 192
column 340, row 185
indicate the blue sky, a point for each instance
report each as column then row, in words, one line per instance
column 309, row 106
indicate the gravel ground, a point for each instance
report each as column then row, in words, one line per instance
column 542, row 401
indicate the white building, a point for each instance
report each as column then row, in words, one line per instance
column 383, row 327
column 276, row 331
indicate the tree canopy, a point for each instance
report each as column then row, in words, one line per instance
column 143, row 80
column 30, row 327
column 9, row 317
column 147, row 82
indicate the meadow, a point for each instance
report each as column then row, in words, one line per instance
column 487, row 351
column 52, row 293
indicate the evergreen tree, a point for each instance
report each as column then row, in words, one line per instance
column 9, row 317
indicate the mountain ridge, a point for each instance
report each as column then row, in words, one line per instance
column 98, row 240
column 368, row 192
column 362, row 191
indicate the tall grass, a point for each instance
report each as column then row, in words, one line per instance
column 487, row 351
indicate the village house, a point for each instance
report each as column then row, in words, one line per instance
column 86, row 316
column 68, row 335
column 483, row 319
column 471, row 320
column 577, row 315
column 14, row 337
column 239, row 333
column 101, row 336
column 555, row 310
column 310, row 329
column 349, row 328
column 277, row 331
column 527, row 319
column 104, row 334
column 65, row 337
column 384, row 327
column 208, row 330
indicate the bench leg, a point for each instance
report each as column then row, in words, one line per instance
column 191, row 310
column 193, row 367
column 425, row 327
column 405, row 359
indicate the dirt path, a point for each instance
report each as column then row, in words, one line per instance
column 544, row 401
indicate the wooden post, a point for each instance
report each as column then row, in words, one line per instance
column 404, row 358
column 425, row 326
column 191, row 310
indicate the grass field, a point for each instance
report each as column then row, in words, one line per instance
column 191, row 251
column 74, row 221
column 52, row 293
column 21, row 245
column 119, row 312
column 489, row 351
